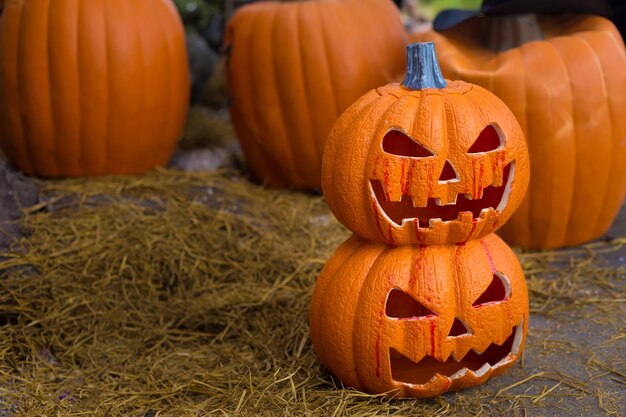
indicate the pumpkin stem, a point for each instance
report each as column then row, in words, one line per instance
column 422, row 69
column 511, row 31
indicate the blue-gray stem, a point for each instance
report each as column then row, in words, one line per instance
column 422, row 69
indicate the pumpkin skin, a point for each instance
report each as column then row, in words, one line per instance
column 91, row 87
column 469, row 155
column 567, row 88
column 393, row 319
column 294, row 67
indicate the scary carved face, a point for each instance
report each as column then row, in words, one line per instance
column 428, row 319
column 441, row 166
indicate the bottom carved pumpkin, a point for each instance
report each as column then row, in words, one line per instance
column 415, row 321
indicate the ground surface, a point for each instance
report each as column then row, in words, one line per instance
column 187, row 294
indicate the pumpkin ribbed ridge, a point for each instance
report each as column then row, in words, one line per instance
column 90, row 89
column 568, row 92
column 294, row 67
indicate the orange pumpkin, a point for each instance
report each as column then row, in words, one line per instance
column 294, row 67
column 425, row 164
column 564, row 77
column 417, row 321
column 91, row 87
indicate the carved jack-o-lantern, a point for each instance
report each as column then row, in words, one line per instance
column 417, row 321
column 425, row 162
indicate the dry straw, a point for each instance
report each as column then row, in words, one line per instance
column 176, row 294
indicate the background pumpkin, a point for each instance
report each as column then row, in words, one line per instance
column 425, row 164
column 564, row 78
column 406, row 320
column 294, row 67
column 91, row 87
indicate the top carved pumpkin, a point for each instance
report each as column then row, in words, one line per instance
column 91, row 87
column 564, row 78
column 294, row 67
column 425, row 163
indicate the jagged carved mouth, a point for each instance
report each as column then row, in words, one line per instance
column 406, row 371
column 464, row 209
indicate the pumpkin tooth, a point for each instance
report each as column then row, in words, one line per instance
column 479, row 352
column 434, row 222
column 446, row 202
column 486, row 211
column 459, row 374
column 388, row 193
column 394, row 196
column 466, row 217
column 482, row 370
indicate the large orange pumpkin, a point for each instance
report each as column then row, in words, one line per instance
column 417, row 321
column 294, row 67
column 425, row 164
column 564, row 78
column 90, row 87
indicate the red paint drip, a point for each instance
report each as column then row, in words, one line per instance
column 376, row 167
column 472, row 230
column 418, row 236
column 386, row 182
column 392, row 241
column 457, row 255
column 416, row 271
column 489, row 257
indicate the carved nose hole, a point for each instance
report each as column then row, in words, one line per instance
column 459, row 329
column 448, row 174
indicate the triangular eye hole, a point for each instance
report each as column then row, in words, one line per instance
column 401, row 305
column 499, row 290
column 400, row 144
column 488, row 140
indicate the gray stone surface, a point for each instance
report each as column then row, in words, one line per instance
column 16, row 192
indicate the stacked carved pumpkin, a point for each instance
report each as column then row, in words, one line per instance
column 424, row 298
column 91, row 87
